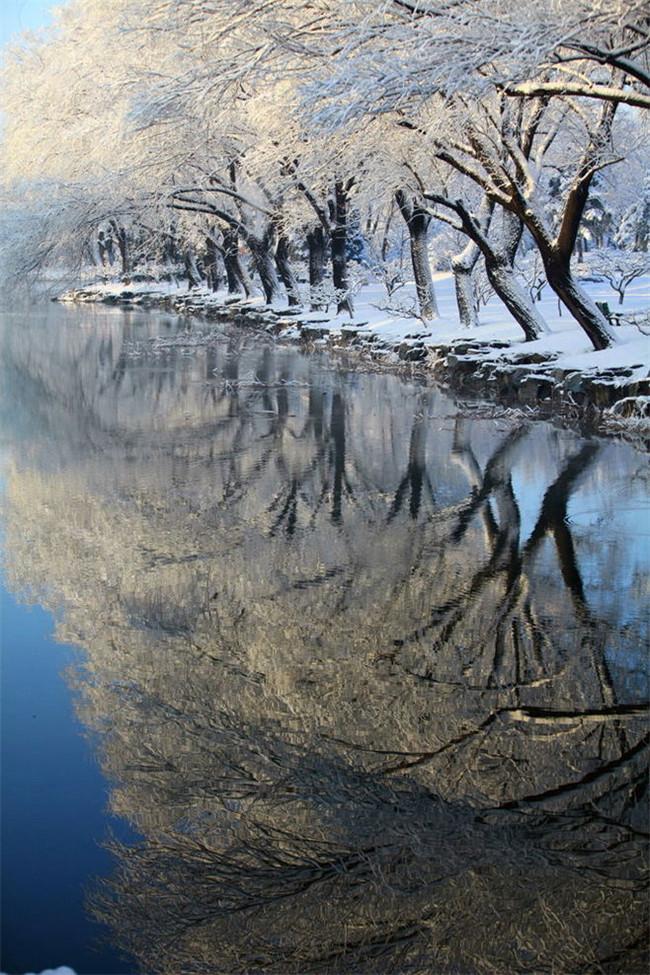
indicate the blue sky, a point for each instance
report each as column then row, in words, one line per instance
column 19, row 15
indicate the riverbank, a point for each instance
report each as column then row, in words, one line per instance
column 558, row 374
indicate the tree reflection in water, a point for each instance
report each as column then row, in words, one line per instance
column 364, row 719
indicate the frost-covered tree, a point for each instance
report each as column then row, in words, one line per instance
column 618, row 268
column 592, row 49
column 219, row 129
column 68, row 142
column 490, row 133
column 634, row 230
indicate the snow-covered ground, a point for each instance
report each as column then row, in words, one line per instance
column 375, row 313
column 565, row 339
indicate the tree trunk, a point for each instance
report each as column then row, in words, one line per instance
column 339, row 250
column 194, row 279
column 418, row 227
column 124, row 252
column 464, row 285
column 285, row 271
column 89, row 252
column 264, row 265
column 212, row 264
column 317, row 247
column 105, row 252
column 463, row 265
column 556, row 255
column 122, row 243
column 417, row 221
column 585, row 312
column 236, row 276
column 512, row 230
column 500, row 272
column 170, row 246
column 503, row 280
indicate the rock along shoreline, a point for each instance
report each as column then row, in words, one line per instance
column 610, row 400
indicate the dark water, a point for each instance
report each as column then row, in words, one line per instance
column 361, row 679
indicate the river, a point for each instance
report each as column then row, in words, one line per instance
column 308, row 668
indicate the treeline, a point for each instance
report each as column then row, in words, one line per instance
column 275, row 145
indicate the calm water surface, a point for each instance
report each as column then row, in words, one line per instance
column 307, row 670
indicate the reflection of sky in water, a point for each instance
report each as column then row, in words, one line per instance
column 53, row 804
column 609, row 516
column 529, row 496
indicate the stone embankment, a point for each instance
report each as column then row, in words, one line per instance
column 486, row 370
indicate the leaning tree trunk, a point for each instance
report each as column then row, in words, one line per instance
column 463, row 266
column 238, row 280
column 317, row 248
column 285, row 271
column 503, row 280
column 260, row 248
column 502, row 276
column 512, row 230
column 556, row 255
column 339, row 239
column 417, row 221
column 580, row 305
